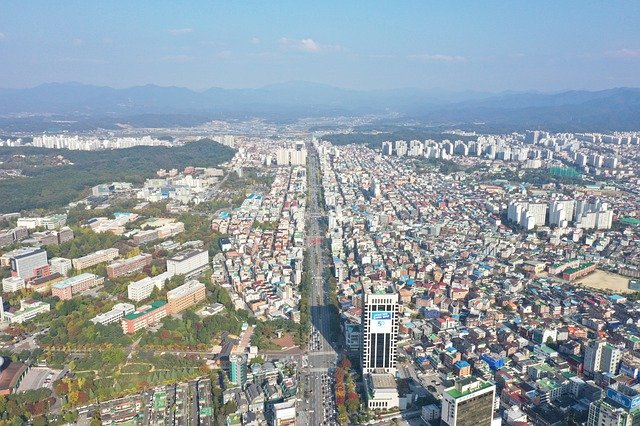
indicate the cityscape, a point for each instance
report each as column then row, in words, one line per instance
column 441, row 244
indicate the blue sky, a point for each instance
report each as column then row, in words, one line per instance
column 458, row 45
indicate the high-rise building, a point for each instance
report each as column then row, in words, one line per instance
column 238, row 369
column 469, row 403
column 379, row 329
column 29, row 263
column 601, row 356
column 621, row 407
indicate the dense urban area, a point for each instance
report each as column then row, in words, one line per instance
column 251, row 273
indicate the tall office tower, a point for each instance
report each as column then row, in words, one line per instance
column 380, row 329
column 238, row 369
column 600, row 356
column 387, row 148
column 621, row 407
column 469, row 403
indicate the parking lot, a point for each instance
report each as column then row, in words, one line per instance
column 39, row 377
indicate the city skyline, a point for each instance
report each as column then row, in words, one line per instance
column 485, row 47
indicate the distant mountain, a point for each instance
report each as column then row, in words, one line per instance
column 86, row 107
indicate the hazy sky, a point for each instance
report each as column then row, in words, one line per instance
column 453, row 45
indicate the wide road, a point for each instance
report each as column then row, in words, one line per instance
column 318, row 405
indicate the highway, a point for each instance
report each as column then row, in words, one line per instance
column 317, row 405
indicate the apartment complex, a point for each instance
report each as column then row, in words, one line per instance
column 144, row 316
column 132, row 265
column 100, row 256
column 185, row 296
column 68, row 288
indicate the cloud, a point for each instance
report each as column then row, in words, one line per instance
column 308, row 45
column 426, row 57
column 180, row 31
column 254, row 40
column 624, row 53
column 177, row 58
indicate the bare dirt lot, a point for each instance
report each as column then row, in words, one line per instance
column 603, row 280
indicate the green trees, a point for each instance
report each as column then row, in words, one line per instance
column 56, row 186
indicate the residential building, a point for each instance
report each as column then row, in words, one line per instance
column 601, row 356
column 238, row 369
column 621, row 407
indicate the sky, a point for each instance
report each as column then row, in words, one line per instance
column 488, row 46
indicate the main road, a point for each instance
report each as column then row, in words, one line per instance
column 317, row 403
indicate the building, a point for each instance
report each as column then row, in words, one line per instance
column 116, row 313
column 188, row 262
column 284, row 413
column 142, row 289
column 238, row 369
column 144, row 317
column 100, row 256
column 379, row 329
column 469, row 403
column 29, row 263
column 28, row 310
column 68, row 288
column 182, row 297
column 382, row 392
column 55, row 221
column 621, row 407
column 123, row 267
column 11, row 373
column 60, row 265
column 601, row 356
column 43, row 285
column 12, row 284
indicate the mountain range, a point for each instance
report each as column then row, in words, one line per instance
column 157, row 106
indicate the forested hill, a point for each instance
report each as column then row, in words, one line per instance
column 55, row 186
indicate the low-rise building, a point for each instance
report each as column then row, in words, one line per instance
column 382, row 391
column 123, row 267
column 28, row 310
column 144, row 316
column 185, row 296
column 100, row 256
column 68, row 288
column 12, row 284
column 140, row 290
column 116, row 313
column 60, row 265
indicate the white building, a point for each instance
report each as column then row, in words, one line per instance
column 114, row 315
column 188, row 262
column 379, row 329
column 27, row 311
column 12, row 284
column 140, row 290
column 60, row 265
column 382, row 391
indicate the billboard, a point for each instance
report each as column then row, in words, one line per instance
column 628, row 402
column 381, row 322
